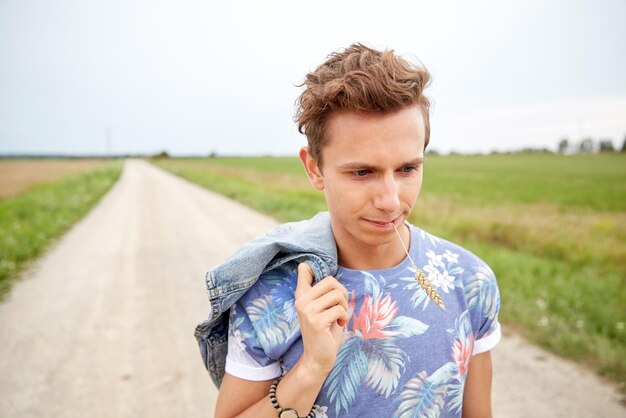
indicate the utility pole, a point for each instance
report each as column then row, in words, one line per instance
column 107, row 141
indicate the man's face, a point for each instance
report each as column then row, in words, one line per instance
column 371, row 173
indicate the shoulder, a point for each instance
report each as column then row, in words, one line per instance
column 268, row 310
column 272, row 294
column 449, row 262
column 450, row 266
column 277, row 281
column 434, row 246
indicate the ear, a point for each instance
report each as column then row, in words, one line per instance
column 312, row 170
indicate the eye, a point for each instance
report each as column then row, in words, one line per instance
column 408, row 169
column 360, row 173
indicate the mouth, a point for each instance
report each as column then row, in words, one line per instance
column 384, row 224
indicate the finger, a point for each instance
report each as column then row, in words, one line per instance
column 305, row 279
column 342, row 322
column 326, row 301
column 335, row 314
column 324, row 286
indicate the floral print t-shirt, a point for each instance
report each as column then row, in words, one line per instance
column 401, row 354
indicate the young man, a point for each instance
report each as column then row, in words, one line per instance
column 369, row 340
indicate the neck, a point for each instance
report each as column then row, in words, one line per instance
column 383, row 255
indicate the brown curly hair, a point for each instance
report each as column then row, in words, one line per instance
column 360, row 79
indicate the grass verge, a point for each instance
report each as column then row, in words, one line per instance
column 30, row 222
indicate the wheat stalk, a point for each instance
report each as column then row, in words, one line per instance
column 421, row 278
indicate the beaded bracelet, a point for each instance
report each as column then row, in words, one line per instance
column 285, row 412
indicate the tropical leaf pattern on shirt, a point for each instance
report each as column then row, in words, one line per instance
column 461, row 354
column 267, row 321
column 429, row 396
column 282, row 282
column 421, row 398
column 273, row 315
column 482, row 293
column 423, row 395
column 386, row 365
column 371, row 354
column 345, row 378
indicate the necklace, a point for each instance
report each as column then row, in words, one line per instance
column 421, row 278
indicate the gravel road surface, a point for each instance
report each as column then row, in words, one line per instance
column 102, row 325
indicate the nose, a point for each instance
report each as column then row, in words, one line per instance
column 387, row 196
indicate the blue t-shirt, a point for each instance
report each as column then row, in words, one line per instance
column 401, row 354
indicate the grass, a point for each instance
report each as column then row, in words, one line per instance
column 30, row 222
column 581, row 181
column 552, row 227
column 19, row 175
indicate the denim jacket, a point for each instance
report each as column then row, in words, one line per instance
column 311, row 241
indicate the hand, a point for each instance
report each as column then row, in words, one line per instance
column 322, row 313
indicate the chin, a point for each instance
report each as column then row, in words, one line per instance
column 373, row 235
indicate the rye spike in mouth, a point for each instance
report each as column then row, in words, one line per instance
column 421, row 278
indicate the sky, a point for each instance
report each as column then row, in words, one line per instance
column 200, row 77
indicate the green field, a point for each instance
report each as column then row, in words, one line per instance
column 31, row 221
column 552, row 227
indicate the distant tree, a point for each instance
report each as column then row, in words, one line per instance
column 160, row 155
column 606, row 145
column 586, row 145
column 533, row 150
column 563, row 145
column 624, row 145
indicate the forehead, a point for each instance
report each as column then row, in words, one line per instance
column 374, row 136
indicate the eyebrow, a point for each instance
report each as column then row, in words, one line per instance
column 360, row 165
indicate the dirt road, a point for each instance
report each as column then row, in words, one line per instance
column 102, row 326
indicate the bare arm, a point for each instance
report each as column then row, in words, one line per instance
column 322, row 314
column 477, row 393
column 245, row 398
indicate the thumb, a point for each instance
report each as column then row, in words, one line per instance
column 305, row 278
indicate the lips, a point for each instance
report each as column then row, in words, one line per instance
column 383, row 223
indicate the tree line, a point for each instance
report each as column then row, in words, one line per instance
column 565, row 146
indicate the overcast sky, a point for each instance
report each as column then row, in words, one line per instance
column 193, row 77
